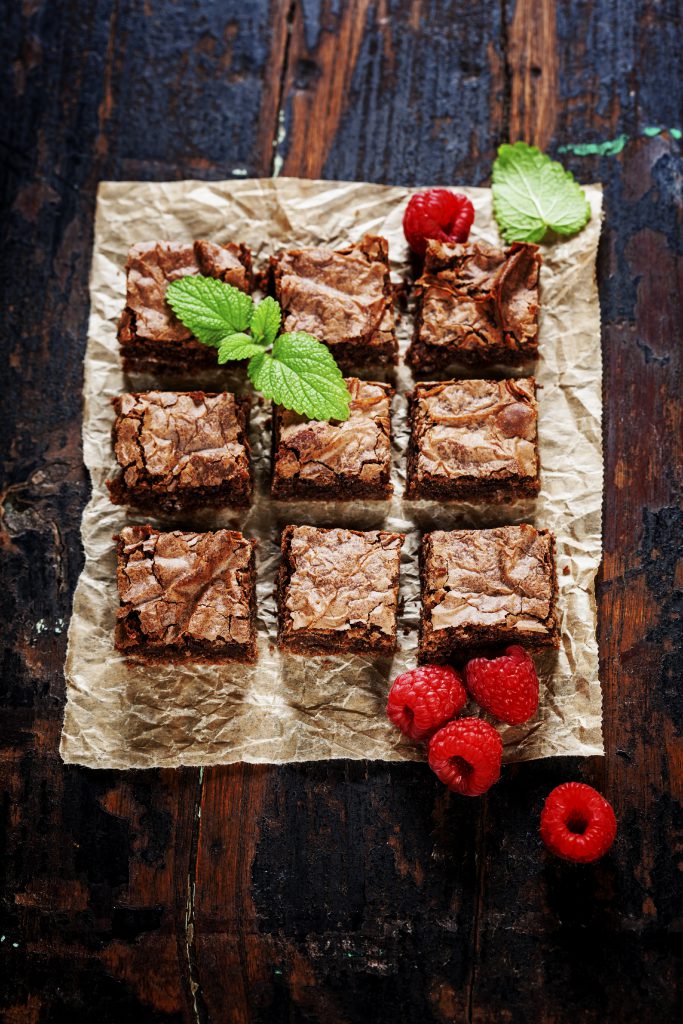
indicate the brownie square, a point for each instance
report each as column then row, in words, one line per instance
column 338, row 591
column 477, row 305
column 336, row 461
column 151, row 337
column 181, row 450
column 486, row 587
column 344, row 297
column 186, row 596
column 473, row 440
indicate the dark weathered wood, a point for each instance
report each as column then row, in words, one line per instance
column 402, row 92
column 335, row 892
column 96, row 867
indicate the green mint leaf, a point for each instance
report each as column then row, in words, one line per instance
column 301, row 374
column 237, row 346
column 209, row 308
column 532, row 194
column 265, row 323
column 255, row 366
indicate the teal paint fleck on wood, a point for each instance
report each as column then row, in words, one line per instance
column 610, row 147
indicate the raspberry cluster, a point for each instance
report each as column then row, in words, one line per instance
column 466, row 753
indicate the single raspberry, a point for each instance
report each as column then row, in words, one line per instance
column 439, row 214
column 577, row 823
column 506, row 687
column 424, row 699
column 466, row 755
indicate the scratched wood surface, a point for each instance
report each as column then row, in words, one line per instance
column 337, row 892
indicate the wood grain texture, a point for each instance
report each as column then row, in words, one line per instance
column 400, row 92
column 336, row 892
column 96, row 867
column 532, row 62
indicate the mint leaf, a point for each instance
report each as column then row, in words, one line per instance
column 237, row 346
column 532, row 194
column 265, row 323
column 301, row 374
column 209, row 308
column 255, row 365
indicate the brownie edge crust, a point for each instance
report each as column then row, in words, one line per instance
column 185, row 596
column 338, row 591
column 486, row 587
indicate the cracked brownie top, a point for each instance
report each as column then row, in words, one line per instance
column 490, row 584
column 477, row 304
column 339, row 582
column 184, row 590
column 150, row 268
column 342, row 296
column 180, row 440
column 479, row 429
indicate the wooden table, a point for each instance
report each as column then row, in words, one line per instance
column 337, row 892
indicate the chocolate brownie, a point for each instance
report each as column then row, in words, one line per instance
column 336, row 461
column 487, row 587
column 473, row 440
column 151, row 337
column 181, row 450
column 338, row 591
column 186, row 596
column 477, row 305
column 343, row 297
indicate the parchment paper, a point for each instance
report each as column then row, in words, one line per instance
column 287, row 707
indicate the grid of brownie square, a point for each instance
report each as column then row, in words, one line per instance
column 336, row 461
column 344, row 297
column 151, row 338
column 181, row 450
column 338, row 591
column 473, row 440
column 487, row 587
column 477, row 306
column 185, row 595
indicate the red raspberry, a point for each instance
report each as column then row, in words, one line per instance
column 424, row 699
column 577, row 823
column 437, row 213
column 506, row 687
column 466, row 756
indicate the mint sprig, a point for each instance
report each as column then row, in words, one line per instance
column 299, row 372
column 533, row 194
column 265, row 323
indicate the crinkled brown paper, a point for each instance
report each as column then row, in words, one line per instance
column 287, row 707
